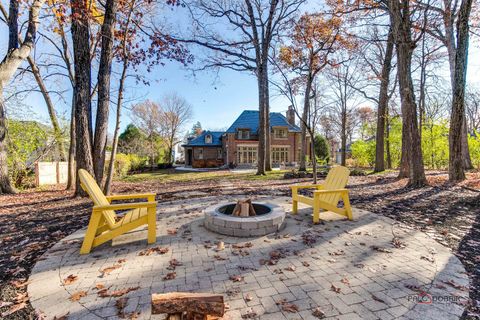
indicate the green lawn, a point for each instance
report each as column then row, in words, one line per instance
column 170, row 175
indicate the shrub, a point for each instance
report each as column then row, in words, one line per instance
column 322, row 149
column 363, row 152
column 122, row 165
column 474, row 147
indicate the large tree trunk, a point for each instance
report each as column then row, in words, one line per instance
column 457, row 120
column 261, row 124
column 400, row 20
column 343, row 135
column 467, row 160
column 51, row 109
column 268, row 131
column 304, row 123
column 383, row 105
column 101, row 123
column 387, row 137
column 71, row 149
column 82, row 89
column 8, row 66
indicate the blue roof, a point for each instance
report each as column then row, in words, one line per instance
column 200, row 140
column 249, row 120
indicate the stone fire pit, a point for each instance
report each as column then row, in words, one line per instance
column 269, row 218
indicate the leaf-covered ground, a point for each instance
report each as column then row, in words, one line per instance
column 32, row 221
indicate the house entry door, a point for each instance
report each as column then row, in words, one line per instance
column 246, row 155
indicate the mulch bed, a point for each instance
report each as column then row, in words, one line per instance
column 33, row 221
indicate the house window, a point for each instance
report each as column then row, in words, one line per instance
column 198, row 153
column 280, row 133
column 246, row 155
column 208, row 138
column 219, row 154
column 243, row 134
column 279, row 155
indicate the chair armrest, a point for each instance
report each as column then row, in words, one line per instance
column 132, row 196
column 307, row 186
column 330, row 191
column 122, row 206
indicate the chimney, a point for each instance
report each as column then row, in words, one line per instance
column 291, row 115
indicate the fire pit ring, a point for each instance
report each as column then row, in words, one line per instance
column 270, row 218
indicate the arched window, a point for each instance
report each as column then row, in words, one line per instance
column 208, row 138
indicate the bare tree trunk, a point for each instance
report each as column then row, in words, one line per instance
column 268, row 132
column 467, row 160
column 314, row 160
column 101, row 123
column 82, row 89
column 108, row 182
column 457, row 121
column 423, row 80
column 261, row 125
column 344, row 136
column 383, row 105
column 400, row 20
column 71, row 149
column 404, row 163
column 8, row 66
column 387, row 137
column 51, row 109
column 304, row 123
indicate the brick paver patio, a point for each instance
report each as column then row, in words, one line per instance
column 337, row 270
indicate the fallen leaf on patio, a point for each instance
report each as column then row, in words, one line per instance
column 77, row 295
column 359, row 265
column 374, row 297
column 219, row 258
column 236, row 278
column 414, row 287
column 305, row 264
column 318, row 313
column 291, row 268
column 108, row 270
column 337, row 253
column 99, row 286
column 429, row 259
column 381, row 249
column 122, row 261
column 278, row 271
column 170, row 276
column 172, row 231
column 455, row 285
column 150, row 251
column 241, row 246
column 248, row 297
column 287, row 306
column 64, row 317
column 345, row 281
column 250, row 314
column 233, row 292
column 332, row 260
column 173, row 264
column 397, row 243
column 104, row 293
column 335, row 289
column 70, row 279
column 347, row 244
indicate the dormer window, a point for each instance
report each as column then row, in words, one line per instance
column 280, row 133
column 243, row 134
column 208, row 138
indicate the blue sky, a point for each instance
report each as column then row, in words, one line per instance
column 217, row 99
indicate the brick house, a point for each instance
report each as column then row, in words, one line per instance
column 238, row 145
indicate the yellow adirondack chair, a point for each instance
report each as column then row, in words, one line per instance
column 327, row 195
column 105, row 225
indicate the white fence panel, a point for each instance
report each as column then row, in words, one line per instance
column 47, row 173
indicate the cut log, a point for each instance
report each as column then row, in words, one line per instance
column 191, row 303
column 244, row 208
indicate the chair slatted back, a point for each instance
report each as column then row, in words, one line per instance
column 91, row 187
column 337, row 178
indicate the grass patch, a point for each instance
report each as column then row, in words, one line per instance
column 171, row 175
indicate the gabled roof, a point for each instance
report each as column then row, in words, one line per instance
column 200, row 140
column 249, row 120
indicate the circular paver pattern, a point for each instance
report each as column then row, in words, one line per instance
column 369, row 268
column 229, row 225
